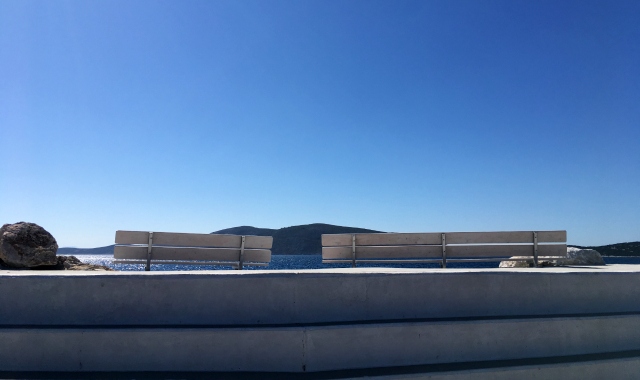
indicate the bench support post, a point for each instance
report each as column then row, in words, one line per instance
column 535, row 249
column 353, row 251
column 148, row 266
column 444, row 252
column 241, row 256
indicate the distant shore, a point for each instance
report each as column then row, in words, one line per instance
column 612, row 250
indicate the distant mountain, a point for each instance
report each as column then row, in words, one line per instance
column 108, row 250
column 247, row 230
column 620, row 249
column 296, row 240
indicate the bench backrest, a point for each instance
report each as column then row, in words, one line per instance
column 141, row 247
column 440, row 247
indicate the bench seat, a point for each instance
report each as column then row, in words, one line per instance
column 441, row 247
column 141, row 247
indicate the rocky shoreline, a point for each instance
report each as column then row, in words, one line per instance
column 28, row 246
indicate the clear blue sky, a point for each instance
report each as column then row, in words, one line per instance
column 406, row 116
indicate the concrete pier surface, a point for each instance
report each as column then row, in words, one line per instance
column 318, row 321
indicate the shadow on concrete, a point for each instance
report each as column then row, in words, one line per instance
column 370, row 372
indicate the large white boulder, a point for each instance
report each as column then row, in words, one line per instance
column 575, row 256
column 516, row 264
column 579, row 256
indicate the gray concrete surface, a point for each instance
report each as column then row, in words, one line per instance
column 311, row 296
column 312, row 320
column 311, row 349
column 405, row 344
column 616, row 369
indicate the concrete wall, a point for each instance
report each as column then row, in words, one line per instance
column 286, row 297
column 618, row 369
column 311, row 321
column 311, row 349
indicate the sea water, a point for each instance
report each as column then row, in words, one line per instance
column 305, row 262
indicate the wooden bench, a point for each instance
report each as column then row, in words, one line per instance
column 140, row 247
column 443, row 247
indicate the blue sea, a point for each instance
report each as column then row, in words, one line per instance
column 304, row 262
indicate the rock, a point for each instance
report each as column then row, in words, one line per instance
column 578, row 256
column 72, row 263
column 69, row 261
column 26, row 245
column 516, row 264
column 575, row 256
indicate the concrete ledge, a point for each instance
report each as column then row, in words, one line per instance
column 619, row 369
column 313, row 320
column 311, row 349
column 151, row 350
column 346, row 347
column 313, row 296
column 618, row 365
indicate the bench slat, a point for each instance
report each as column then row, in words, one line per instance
column 454, row 251
column 132, row 237
column 220, row 263
column 404, row 261
column 509, row 237
column 426, row 261
column 189, row 253
column 381, row 252
column 435, row 252
column 336, row 240
column 193, row 240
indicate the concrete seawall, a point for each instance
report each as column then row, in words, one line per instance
column 312, row 320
